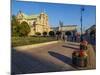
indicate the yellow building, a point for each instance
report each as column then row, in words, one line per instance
column 37, row 23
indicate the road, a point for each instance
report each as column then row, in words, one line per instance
column 48, row 58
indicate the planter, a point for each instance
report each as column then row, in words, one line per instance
column 82, row 61
column 79, row 58
column 74, row 58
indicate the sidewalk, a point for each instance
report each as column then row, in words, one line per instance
column 49, row 58
column 35, row 45
column 92, row 57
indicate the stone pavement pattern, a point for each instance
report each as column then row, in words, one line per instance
column 48, row 58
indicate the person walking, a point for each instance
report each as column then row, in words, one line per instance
column 65, row 38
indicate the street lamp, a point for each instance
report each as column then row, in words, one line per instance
column 81, row 19
column 61, row 25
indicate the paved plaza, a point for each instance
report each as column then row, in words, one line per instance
column 48, row 58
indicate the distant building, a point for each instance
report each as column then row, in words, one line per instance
column 92, row 28
column 55, row 29
column 68, row 28
column 38, row 23
column 91, row 32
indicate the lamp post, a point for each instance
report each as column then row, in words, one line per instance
column 81, row 20
column 61, row 25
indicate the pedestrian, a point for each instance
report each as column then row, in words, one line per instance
column 75, row 38
column 78, row 38
column 65, row 38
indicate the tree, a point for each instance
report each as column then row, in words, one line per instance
column 38, row 33
column 51, row 33
column 14, row 24
column 23, row 29
column 44, row 33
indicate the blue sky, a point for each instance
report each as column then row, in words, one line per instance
column 69, row 14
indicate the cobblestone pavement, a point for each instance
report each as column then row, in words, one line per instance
column 48, row 58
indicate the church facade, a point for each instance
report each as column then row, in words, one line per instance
column 38, row 23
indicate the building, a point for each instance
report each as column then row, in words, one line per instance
column 69, row 30
column 91, row 33
column 38, row 23
column 55, row 29
column 90, row 29
column 66, row 28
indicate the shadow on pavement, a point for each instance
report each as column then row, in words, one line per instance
column 22, row 63
column 63, row 58
column 70, row 47
column 72, row 44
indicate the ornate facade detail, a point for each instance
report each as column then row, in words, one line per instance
column 37, row 23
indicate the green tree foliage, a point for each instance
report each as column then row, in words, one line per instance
column 23, row 29
column 44, row 33
column 18, row 29
column 51, row 33
column 14, row 24
column 38, row 33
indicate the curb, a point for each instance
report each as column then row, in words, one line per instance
column 34, row 45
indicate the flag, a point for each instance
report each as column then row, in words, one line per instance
column 82, row 9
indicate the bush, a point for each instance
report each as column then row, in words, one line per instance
column 23, row 29
column 44, row 33
column 20, row 41
column 51, row 33
column 19, row 29
column 38, row 33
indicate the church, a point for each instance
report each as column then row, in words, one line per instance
column 38, row 23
